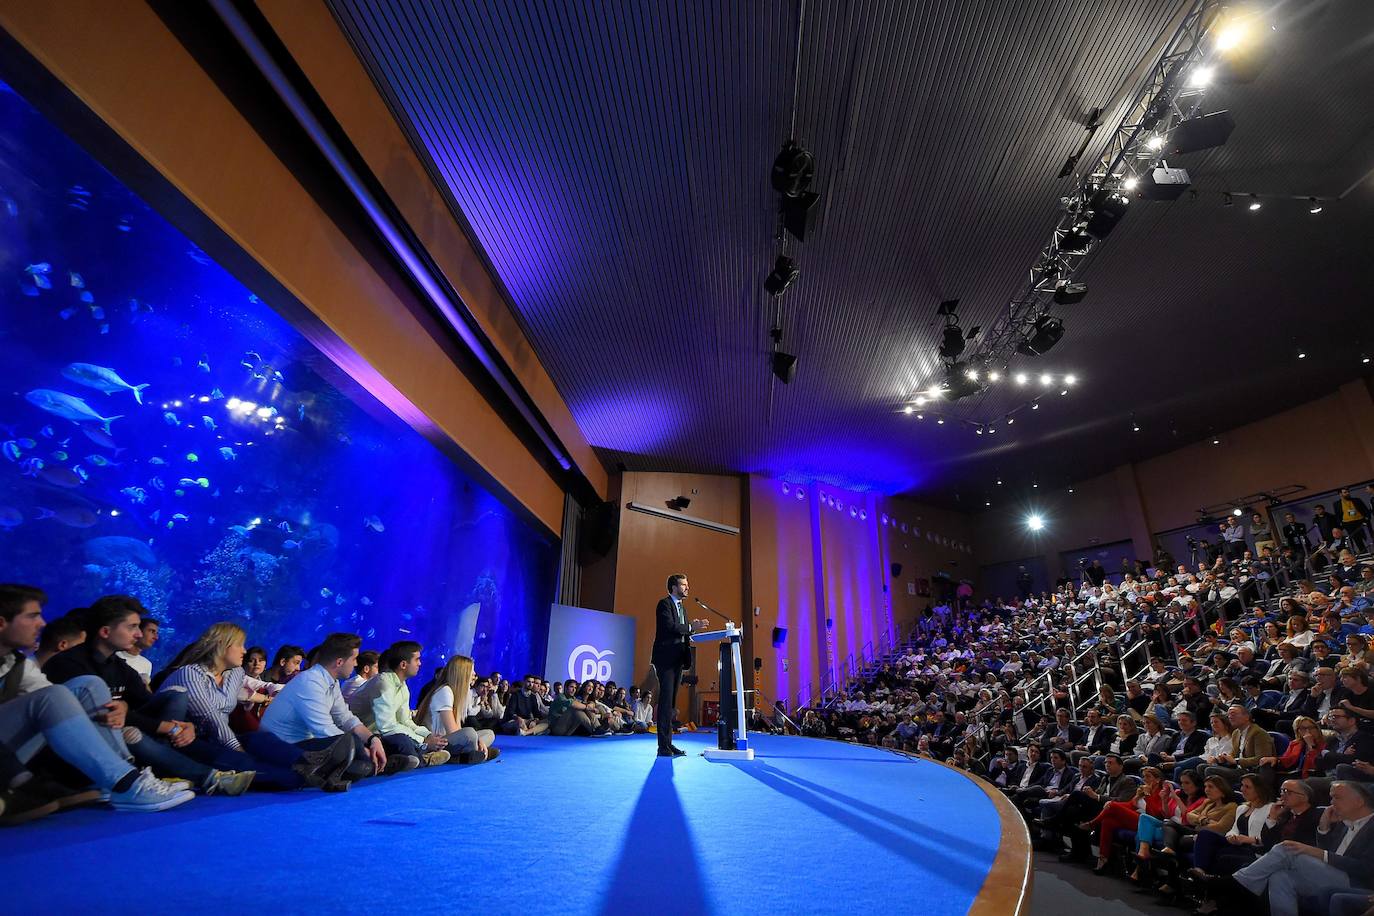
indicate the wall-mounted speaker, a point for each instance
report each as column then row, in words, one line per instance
column 896, row 570
column 779, row 635
column 600, row 526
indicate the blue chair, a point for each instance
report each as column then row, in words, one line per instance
column 1280, row 743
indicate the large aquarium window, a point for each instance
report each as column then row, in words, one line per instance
column 166, row 434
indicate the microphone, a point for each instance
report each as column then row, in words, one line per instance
column 711, row 610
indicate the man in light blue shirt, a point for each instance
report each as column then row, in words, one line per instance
column 310, row 711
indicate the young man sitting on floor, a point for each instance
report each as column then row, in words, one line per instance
column 310, row 713
column 383, row 705
column 148, row 628
column 35, row 713
column 112, row 625
column 525, row 714
column 369, row 664
column 59, row 636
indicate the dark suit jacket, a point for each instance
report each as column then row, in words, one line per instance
column 1051, row 738
column 1360, row 746
column 1192, row 746
column 1068, row 779
column 671, row 646
column 1101, row 741
column 1358, row 861
column 1037, row 775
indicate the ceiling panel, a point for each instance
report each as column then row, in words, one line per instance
column 612, row 159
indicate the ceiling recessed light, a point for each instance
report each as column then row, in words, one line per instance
column 1035, row 406
column 1070, row 489
column 908, row 409
column 941, row 421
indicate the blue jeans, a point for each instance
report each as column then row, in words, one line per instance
column 148, row 751
column 53, row 716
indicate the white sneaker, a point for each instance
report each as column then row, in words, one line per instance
column 180, row 785
column 148, row 793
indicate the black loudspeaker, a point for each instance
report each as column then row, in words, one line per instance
column 758, row 663
column 779, row 635
column 896, row 570
column 600, row 526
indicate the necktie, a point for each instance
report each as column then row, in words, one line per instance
column 678, row 606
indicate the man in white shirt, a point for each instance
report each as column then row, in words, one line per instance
column 1342, row 858
column 147, row 638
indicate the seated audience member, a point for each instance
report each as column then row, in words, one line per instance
column 1250, row 744
column 1355, row 694
column 1302, row 758
column 1097, row 737
column 1123, row 815
column 443, row 706
column 147, row 638
column 1352, row 756
column 1216, row 814
column 1188, row 743
column 1087, row 777
column 525, row 714
column 644, row 709
column 155, row 730
column 59, row 636
column 568, row 715
column 1006, row 767
column 209, row 673
column 1162, row 831
column 1031, row 776
column 369, row 665
column 1056, row 782
column 35, row 713
column 1221, row 854
column 255, row 662
column 285, row 665
column 1085, row 803
column 311, row 714
column 1342, row 857
column 485, row 709
column 383, row 705
column 1063, row 735
column 1123, row 742
column 1149, row 746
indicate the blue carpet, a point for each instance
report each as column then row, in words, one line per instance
column 557, row 825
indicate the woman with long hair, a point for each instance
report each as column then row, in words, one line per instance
column 1152, row 830
column 442, row 706
column 208, row 677
column 1118, row 815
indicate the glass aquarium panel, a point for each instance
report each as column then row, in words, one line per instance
column 166, row 434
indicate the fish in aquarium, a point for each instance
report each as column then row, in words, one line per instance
column 101, row 461
column 192, row 457
column 227, row 453
column 365, row 601
column 47, row 431
column 181, row 517
column 80, row 472
column 10, row 517
column 374, row 523
column 135, row 494
column 76, row 280
column 289, row 544
column 30, row 467
column 26, row 443
column 100, row 438
column 60, row 455
column 284, row 526
column 209, row 423
column 216, row 395
column 156, row 483
column 170, row 419
column 325, row 593
column 203, row 364
column 11, row 450
column 66, row 314
column 101, row 378
column 67, row 478
column 68, row 407
column 201, row 482
column 71, row 516
column 38, row 274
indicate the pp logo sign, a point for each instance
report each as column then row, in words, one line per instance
column 587, row 663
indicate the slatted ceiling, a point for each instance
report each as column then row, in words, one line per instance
column 612, row 162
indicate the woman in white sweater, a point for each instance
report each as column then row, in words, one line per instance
column 1222, row 854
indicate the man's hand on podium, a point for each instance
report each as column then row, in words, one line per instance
column 699, row 626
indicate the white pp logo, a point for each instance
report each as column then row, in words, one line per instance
column 586, row 663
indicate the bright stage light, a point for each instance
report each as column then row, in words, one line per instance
column 1046, row 379
column 908, row 409
column 1201, row 77
column 1237, row 512
column 1070, row 379
column 1022, row 378
column 1035, row 523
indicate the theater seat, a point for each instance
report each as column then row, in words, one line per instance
column 1280, row 743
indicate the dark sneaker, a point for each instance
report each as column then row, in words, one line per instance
column 399, row 763
column 19, row 806
column 320, row 768
column 64, row 796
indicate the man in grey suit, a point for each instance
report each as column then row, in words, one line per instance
column 1343, row 857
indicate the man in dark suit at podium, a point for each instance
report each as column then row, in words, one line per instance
column 672, row 653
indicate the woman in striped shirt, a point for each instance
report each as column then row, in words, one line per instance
column 209, row 671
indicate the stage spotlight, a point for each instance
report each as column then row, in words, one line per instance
column 1254, row 202
column 1066, row 293
column 1155, row 143
column 1202, row 132
column 959, row 383
column 1216, row 441
column 798, row 213
column 952, row 343
column 1043, row 336
column 784, row 367
column 1135, row 427
column 1011, row 420
column 1226, row 199
column 978, row 431
column 1364, row 359
column 971, row 375
column 941, row 421
column 1201, row 77
column 784, row 273
column 1164, row 183
column 1075, row 242
column 994, row 376
column 1237, row 512
column 1021, row 378
column 1316, row 207
column 793, row 170
column 1107, row 209
column 1035, row 406
column 908, row 410
column 1035, row 522
column 920, row 400
column 1070, row 379
column 1302, row 354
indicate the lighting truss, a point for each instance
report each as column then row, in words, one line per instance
column 1163, row 100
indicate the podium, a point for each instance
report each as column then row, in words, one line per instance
column 732, row 738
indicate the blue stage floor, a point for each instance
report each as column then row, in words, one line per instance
column 557, row 825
